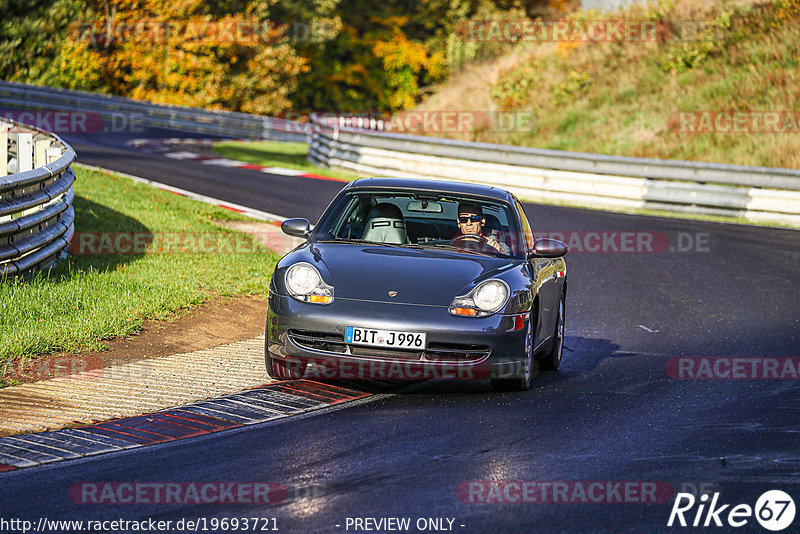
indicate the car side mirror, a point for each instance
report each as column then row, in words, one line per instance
column 296, row 228
column 548, row 248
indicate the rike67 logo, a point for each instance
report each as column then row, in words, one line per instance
column 774, row 510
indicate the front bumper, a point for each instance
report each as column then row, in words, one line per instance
column 456, row 347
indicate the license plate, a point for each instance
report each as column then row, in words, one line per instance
column 384, row 338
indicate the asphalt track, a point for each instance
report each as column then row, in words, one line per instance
column 614, row 412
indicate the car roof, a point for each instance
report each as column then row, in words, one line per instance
column 432, row 185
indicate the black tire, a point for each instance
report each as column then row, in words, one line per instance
column 282, row 370
column 552, row 359
column 530, row 368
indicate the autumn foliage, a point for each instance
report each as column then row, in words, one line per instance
column 258, row 56
column 179, row 53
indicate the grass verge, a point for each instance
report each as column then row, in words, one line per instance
column 98, row 296
column 650, row 98
column 277, row 154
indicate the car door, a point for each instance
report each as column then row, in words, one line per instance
column 546, row 286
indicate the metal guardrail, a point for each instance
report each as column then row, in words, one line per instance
column 148, row 114
column 36, row 213
column 760, row 194
column 362, row 144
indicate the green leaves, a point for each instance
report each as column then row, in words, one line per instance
column 30, row 37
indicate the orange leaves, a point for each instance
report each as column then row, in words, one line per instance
column 178, row 53
column 564, row 48
column 399, row 52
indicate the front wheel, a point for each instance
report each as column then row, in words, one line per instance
column 552, row 360
column 529, row 367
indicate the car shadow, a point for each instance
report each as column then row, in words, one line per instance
column 104, row 239
column 581, row 356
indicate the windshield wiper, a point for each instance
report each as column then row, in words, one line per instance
column 469, row 251
column 354, row 240
column 421, row 246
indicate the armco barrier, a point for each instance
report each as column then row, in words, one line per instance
column 148, row 114
column 759, row 194
column 36, row 214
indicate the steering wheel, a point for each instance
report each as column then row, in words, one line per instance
column 463, row 241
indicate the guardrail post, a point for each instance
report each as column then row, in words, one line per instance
column 3, row 153
column 53, row 153
column 37, row 195
column 40, row 152
column 24, row 152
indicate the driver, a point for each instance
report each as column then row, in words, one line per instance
column 471, row 222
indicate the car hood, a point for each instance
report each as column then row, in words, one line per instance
column 425, row 277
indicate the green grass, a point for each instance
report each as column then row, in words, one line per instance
column 277, row 154
column 94, row 297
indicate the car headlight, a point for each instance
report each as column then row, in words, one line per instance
column 485, row 299
column 304, row 283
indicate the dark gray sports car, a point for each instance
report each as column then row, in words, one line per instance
column 418, row 279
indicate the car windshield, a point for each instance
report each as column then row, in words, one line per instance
column 419, row 219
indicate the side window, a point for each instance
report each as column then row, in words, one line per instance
column 526, row 227
column 351, row 224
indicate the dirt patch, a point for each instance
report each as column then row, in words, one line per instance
column 223, row 320
column 219, row 321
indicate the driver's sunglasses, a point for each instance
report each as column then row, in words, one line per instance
column 470, row 218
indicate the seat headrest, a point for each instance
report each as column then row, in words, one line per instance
column 385, row 210
column 385, row 224
column 492, row 223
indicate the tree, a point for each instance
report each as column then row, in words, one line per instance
column 30, row 35
column 186, row 52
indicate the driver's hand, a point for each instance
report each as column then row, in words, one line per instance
column 493, row 242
